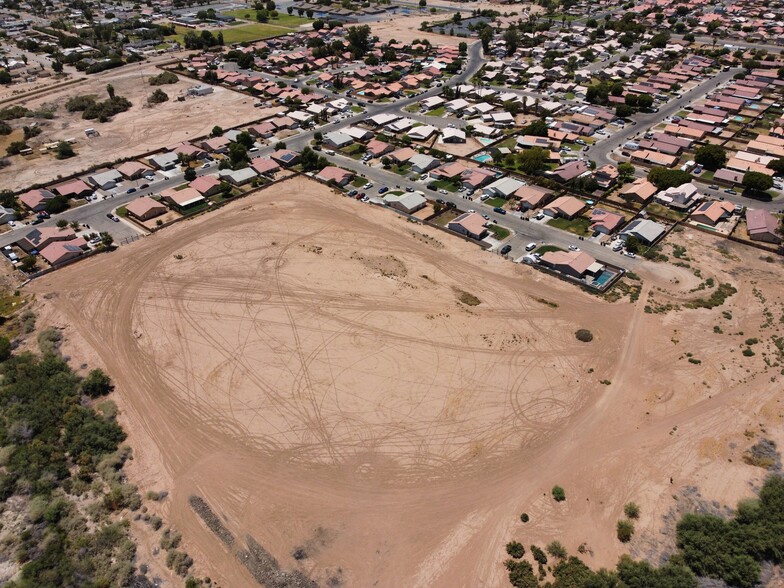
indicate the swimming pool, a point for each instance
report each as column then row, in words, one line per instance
column 483, row 158
column 485, row 140
column 603, row 278
column 738, row 118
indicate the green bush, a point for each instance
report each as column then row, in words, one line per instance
column 515, row 549
column 584, row 335
column 631, row 510
column 165, row 77
column 96, row 384
column 539, row 556
column 558, row 494
column 625, row 530
column 524, row 517
column 557, row 550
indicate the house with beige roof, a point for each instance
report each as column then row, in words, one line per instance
column 566, row 207
column 761, row 225
column 713, row 212
column 183, row 200
column 640, row 190
column 470, row 224
column 36, row 200
column 335, row 174
column 533, row 196
column 145, row 208
column 575, row 264
column 59, row 252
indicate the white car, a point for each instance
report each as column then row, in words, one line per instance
column 206, row 165
column 574, row 248
column 471, row 210
column 368, row 186
column 629, row 254
column 530, row 247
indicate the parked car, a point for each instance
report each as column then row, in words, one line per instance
column 440, row 201
column 730, row 191
column 506, row 249
column 713, row 187
column 499, row 210
column 352, row 193
column 109, row 215
column 115, row 219
column 42, row 214
column 530, row 247
column 629, row 254
column 206, row 165
column 484, row 216
column 143, row 186
column 130, row 190
column 368, row 186
column 383, row 189
column 37, row 221
column 409, row 189
column 574, row 248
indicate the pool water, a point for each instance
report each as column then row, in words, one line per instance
column 603, row 278
column 483, row 158
column 485, row 140
column 739, row 118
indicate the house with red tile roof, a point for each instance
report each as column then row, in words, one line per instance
column 470, row 224
column 606, row 222
column 206, row 185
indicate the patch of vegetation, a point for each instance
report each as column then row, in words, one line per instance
column 559, row 495
column 60, row 452
column 467, row 298
column 717, row 298
column 631, row 510
column 165, row 77
column 499, row 233
column 515, row 549
column 763, row 454
column 748, row 352
column 546, row 302
column 524, row 517
column 624, row 530
column 584, row 335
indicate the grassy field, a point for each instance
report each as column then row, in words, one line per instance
column 443, row 184
column 437, row 111
column 578, row 226
column 240, row 34
column 663, row 211
column 290, row 21
column 546, row 248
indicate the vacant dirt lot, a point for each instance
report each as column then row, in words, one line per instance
column 139, row 130
column 304, row 363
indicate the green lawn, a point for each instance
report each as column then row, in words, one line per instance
column 358, row 182
column 499, row 233
column 122, row 211
column 240, row 34
column 495, row 202
column 290, row 21
column 578, row 225
column 443, row 184
column 437, row 111
column 401, row 170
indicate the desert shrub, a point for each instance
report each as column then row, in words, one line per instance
column 524, row 517
column 158, row 97
column 170, row 540
column 156, row 523
column 5, row 348
column 748, row 352
column 625, row 530
column 49, row 341
column 631, row 510
column 96, row 384
column 584, row 335
column 539, row 555
column 165, row 77
column 515, row 549
column 179, row 562
column 556, row 549
column 521, row 574
column 558, row 494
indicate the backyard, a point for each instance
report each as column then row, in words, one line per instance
column 499, row 233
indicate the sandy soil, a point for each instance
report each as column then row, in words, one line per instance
column 306, row 367
column 137, row 131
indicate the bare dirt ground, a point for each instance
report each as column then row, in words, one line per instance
column 304, row 364
column 137, row 131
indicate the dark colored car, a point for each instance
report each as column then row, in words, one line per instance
column 499, row 210
column 353, row 193
column 440, row 201
column 506, row 249
column 143, row 186
column 383, row 189
column 109, row 215
column 37, row 221
column 130, row 190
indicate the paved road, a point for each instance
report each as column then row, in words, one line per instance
column 527, row 231
column 600, row 151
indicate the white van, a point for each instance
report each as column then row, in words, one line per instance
column 530, row 247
